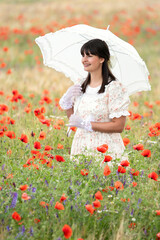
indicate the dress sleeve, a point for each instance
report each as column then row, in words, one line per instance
column 118, row 100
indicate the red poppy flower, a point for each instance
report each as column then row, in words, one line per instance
column 50, row 156
column 124, row 199
column 45, row 91
column 63, row 198
column 16, row 216
column 35, row 166
column 106, row 189
column 157, row 125
column 146, row 153
column 90, row 208
column 46, row 99
column 60, row 122
column 59, row 146
column 42, row 135
column 132, row 225
column 125, row 163
column 127, row 127
column 3, row 65
column 134, row 184
column 37, row 145
column 138, row 147
column 136, row 116
column 158, row 212
column 23, row 187
column 10, row 134
column 11, row 121
column 41, row 102
column 45, row 121
column 48, row 148
column 35, row 152
column 84, row 172
column 97, row 204
column 9, row 152
column 153, row 176
column 43, row 204
column 31, row 95
column 9, row 71
column 37, row 112
column 107, row 158
column 134, row 172
column 57, row 127
column 59, row 158
column 10, row 175
column 126, row 141
column 107, row 171
column 25, row 196
column 158, row 236
column 5, row 49
column 105, row 145
column 148, row 104
column 24, row 138
column 36, row 220
column 4, row 128
column 121, row 169
column 135, row 104
column 59, row 206
column 111, row 188
column 15, row 92
column 73, row 129
column 67, row 230
column 98, row 195
column 154, row 133
column 103, row 148
column 118, row 185
column 1, row 133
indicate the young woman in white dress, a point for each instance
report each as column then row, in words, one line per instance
column 98, row 105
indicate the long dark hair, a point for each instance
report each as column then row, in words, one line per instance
column 99, row 48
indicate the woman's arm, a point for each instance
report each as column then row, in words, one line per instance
column 115, row 126
column 69, row 112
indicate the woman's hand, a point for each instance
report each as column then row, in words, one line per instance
column 66, row 102
column 77, row 121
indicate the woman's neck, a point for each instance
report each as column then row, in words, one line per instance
column 96, row 79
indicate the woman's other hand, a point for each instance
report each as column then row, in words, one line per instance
column 77, row 121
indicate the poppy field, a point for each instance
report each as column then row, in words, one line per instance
column 44, row 194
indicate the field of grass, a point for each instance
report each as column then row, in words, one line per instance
column 43, row 194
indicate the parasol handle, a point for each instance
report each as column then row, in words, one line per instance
column 108, row 27
column 69, row 130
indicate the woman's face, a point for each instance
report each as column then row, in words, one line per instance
column 92, row 63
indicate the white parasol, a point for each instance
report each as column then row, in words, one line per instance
column 61, row 51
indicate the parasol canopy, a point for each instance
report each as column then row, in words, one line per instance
column 61, row 51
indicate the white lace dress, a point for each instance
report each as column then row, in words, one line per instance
column 102, row 108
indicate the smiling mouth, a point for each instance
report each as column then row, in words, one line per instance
column 86, row 65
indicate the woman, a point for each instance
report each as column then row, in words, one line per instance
column 97, row 106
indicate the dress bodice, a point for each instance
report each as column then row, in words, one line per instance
column 113, row 102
